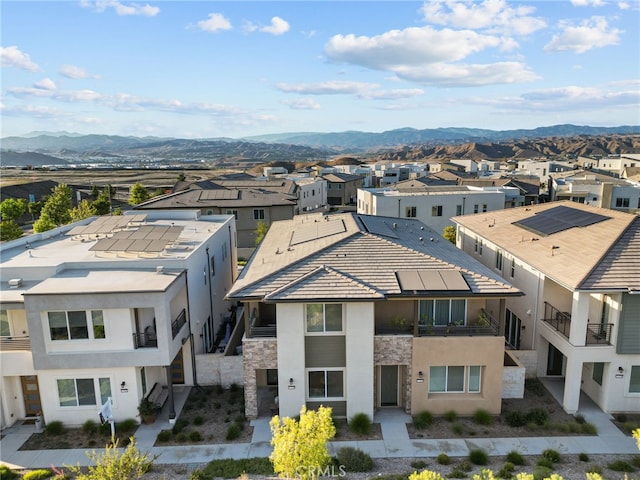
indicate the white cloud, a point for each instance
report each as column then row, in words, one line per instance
column 471, row 75
column 591, row 33
column 393, row 94
column 624, row 6
column 13, row 57
column 586, row 3
column 490, row 15
column 45, row 84
column 334, row 87
column 214, row 23
column 71, row 71
column 101, row 6
column 33, row 111
column 302, row 104
column 278, row 26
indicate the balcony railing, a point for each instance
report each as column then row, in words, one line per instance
column 178, row 323
column 559, row 320
column 599, row 333
column 14, row 344
column 144, row 340
column 257, row 329
column 485, row 325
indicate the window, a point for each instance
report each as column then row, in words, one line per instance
column 73, row 325
column 475, row 208
column 513, row 267
column 323, row 317
column 436, row 211
column 622, row 203
column 446, row 379
column 458, row 209
column 476, row 244
column 143, row 380
column 5, row 331
column 499, row 259
column 484, row 207
column 73, row 392
column 411, row 212
column 634, row 380
column 480, row 248
column 512, row 327
column 326, row 384
column 598, row 370
column 258, row 213
column 442, row 312
column 474, row 379
column 234, row 213
column 213, row 265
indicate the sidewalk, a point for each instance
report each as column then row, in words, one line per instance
column 394, row 444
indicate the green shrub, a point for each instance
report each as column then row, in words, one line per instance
column 541, row 472
column 181, row 437
column 451, row 416
column 54, row 428
column 229, row 468
column 105, row 429
column 37, row 474
column 482, row 417
column 90, row 427
column 516, row 419
column 535, row 386
column 551, row 455
column 477, row 456
column 464, row 466
column 179, row 426
column 443, row 459
column 360, row 424
column 635, row 461
column 195, row 436
column 538, row 416
column 457, row 473
column 457, row 428
column 423, row 420
column 354, row 460
column 593, row 468
column 233, row 431
column 418, row 464
column 583, row 457
column 588, row 429
column 127, row 426
column 164, row 435
column 620, row 466
column 506, row 471
column 7, row 473
column 199, row 420
column 515, row 457
column 240, row 419
column 579, row 418
column 545, row 462
column 620, row 417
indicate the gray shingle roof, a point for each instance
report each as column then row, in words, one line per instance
column 360, row 262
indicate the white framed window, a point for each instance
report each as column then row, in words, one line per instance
column 634, row 379
column 475, row 208
column 233, row 212
column 480, row 248
column 325, row 384
column 436, row 211
column 74, row 392
column 5, row 329
column 258, row 213
column 499, row 259
column 458, row 209
column 484, row 207
column 622, row 202
column 476, row 244
column 455, row 379
column 76, row 325
column 442, row 312
column 323, row 317
column 411, row 212
column 513, row 267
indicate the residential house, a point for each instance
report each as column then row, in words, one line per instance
column 360, row 312
column 529, row 187
column 433, row 205
column 249, row 201
column 311, row 191
column 110, row 307
column 342, row 188
column 580, row 316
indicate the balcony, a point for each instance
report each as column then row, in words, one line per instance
column 560, row 321
column 144, row 340
column 599, row 333
column 484, row 325
column 15, row 344
column 261, row 327
column 178, row 323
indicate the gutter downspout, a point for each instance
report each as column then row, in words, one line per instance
column 210, row 292
column 193, row 344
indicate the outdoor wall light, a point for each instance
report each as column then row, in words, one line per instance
column 123, row 385
column 620, row 369
column 420, row 378
column 292, row 385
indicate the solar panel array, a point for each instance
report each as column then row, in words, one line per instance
column 148, row 238
column 558, row 219
column 107, row 224
column 219, row 194
column 309, row 231
column 431, row 280
column 377, row 226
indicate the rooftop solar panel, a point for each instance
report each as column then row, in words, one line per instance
column 378, row 227
column 309, row 231
column 431, row 280
column 558, row 219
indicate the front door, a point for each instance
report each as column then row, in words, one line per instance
column 31, row 395
column 389, row 386
column 177, row 369
column 554, row 361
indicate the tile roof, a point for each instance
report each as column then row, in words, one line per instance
column 569, row 256
column 221, row 198
column 359, row 262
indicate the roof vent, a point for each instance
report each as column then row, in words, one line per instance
column 15, row 282
column 160, row 269
column 395, row 225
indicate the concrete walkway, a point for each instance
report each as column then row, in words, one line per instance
column 395, row 442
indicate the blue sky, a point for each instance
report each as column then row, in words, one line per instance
column 230, row 69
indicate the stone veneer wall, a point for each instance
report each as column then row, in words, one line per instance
column 216, row 369
column 259, row 354
column 512, row 377
column 395, row 350
column 528, row 359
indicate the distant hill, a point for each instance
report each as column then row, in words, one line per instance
column 25, row 159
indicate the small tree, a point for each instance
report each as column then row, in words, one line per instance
column 58, row 206
column 138, row 194
column 116, row 465
column 261, row 230
column 81, row 211
column 13, row 208
column 9, row 230
column 450, row 233
column 300, row 446
column 101, row 205
column 34, row 209
column 43, row 224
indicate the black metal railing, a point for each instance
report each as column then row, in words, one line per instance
column 14, row 344
column 559, row 320
column 178, row 323
column 144, row 340
column 484, row 325
column 599, row 333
